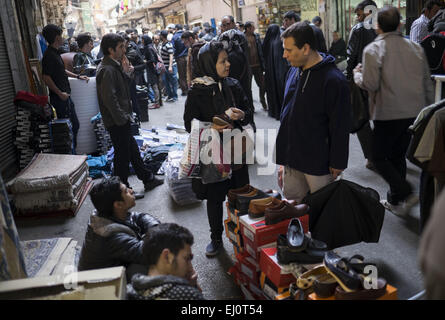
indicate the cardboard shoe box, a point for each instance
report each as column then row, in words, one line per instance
column 99, row 284
column 233, row 233
column 249, row 267
column 234, row 214
column 271, row 291
column 273, row 270
column 391, row 294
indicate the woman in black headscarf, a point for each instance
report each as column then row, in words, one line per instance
column 276, row 70
column 212, row 94
column 151, row 58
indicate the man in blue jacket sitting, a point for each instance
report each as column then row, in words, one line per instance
column 313, row 139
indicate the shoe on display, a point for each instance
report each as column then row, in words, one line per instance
column 342, row 271
column 257, row 207
column 213, row 248
column 150, row 185
column 284, row 211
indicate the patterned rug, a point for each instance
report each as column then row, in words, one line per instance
column 46, row 257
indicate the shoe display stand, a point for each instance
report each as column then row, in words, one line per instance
column 251, row 239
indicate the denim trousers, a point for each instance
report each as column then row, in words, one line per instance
column 171, row 82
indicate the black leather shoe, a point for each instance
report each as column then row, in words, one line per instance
column 213, row 248
column 150, row 185
column 242, row 201
column 342, row 271
column 313, row 253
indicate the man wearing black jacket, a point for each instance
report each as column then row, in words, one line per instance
column 359, row 38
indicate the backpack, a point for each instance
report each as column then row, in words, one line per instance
column 434, row 47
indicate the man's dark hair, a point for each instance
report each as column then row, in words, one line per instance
column 431, row 3
column 110, row 40
column 128, row 31
column 186, row 27
column 231, row 18
column 187, row 34
column 249, row 24
column 292, row 15
column 105, row 193
column 50, row 32
column 83, row 39
column 165, row 236
column 388, row 19
column 302, row 33
column 178, row 27
column 74, row 47
column 164, row 34
column 316, row 19
column 362, row 5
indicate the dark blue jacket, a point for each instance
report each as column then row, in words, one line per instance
column 179, row 47
column 315, row 119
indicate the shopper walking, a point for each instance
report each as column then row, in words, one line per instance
column 313, row 139
column 276, row 68
column 169, row 77
column 359, row 38
column 419, row 28
column 56, row 78
column 181, row 58
column 209, row 96
column 256, row 59
column 113, row 95
column 394, row 103
column 151, row 58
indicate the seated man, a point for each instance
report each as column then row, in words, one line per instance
column 115, row 236
column 168, row 253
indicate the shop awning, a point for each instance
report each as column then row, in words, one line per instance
column 160, row 4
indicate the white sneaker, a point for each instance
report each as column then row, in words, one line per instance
column 402, row 209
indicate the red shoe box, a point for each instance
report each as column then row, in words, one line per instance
column 255, row 252
column 233, row 233
column 273, row 270
column 250, row 290
column 249, row 267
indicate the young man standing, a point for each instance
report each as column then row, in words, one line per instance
column 168, row 253
column 169, row 77
column 56, row 78
column 193, row 45
column 113, row 95
column 313, row 139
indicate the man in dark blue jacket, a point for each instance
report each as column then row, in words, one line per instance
column 181, row 53
column 313, row 139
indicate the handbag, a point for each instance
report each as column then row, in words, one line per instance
column 359, row 107
column 159, row 65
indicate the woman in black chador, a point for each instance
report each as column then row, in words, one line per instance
column 276, row 68
column 211, row 94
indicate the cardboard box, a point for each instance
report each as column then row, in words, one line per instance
column 271, row 291
column 249, row 267
column 391, row 294
column 254, row 251
column 234, row 214
column 99, row 284
column 233, row 233
column 273, row 270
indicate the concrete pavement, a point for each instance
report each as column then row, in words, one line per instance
column 395, row 254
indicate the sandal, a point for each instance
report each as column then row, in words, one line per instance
column 342, row 271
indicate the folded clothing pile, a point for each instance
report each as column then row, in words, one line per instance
column 154, row 157
column 51, row 183
column 32, row 133
column 99, row 166
column 61, row 132
column 180, row 189
column 103, row 138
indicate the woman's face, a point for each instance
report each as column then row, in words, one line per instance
column 223, row 65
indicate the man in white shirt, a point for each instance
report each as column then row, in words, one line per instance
column 419, row 28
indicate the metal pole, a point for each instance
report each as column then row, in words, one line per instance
column 439, row 79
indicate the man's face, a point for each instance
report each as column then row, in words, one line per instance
column 128, row 199
column 296, row 57
column 156, row 39
column 250, row 30
column 288, row 22
column 89, row 46
column 182, row 263
column 431, row 13
column 226, row 24
column 360, row 15
column 188, row 42
column 335, row 36
column 58, row 41
column 134, row 37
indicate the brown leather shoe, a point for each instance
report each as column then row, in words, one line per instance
column 284, row 211
column 223, row 120
column 257, row 206
column 233, row 193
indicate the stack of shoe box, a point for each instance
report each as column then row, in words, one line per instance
column 31, row 136
column 250, row 237
column 103, row 138
column 61, row 134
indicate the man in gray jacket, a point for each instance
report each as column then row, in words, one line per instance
column 114, row 99
column 396, row 75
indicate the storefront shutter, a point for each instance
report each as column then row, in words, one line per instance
column 8, row 152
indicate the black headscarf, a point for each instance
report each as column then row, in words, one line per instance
column 147, row 40
column 275, row 71
column 208, row 57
